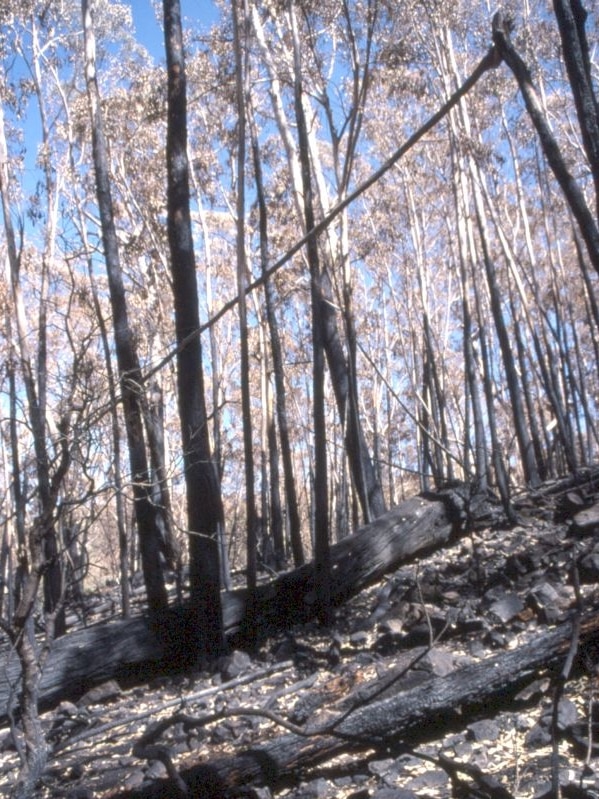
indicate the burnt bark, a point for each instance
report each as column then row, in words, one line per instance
column 204, row 505
column 131, row 650
column 572, row 191
column 322, row 557
column 395, row 718
column 128, row 362
column 571, row 19
column 295, row 538
column 519, row 416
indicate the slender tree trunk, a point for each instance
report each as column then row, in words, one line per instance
column 321, row 504
column 240, row 47
column 121, row 520
column 497, row 457
column 154, row 424
column 38, row 543
column 128, row 363
column 527, row 455
column 215, row 387
column 272, row 511
column 465, row 255
column 572, row 191
column 53, row 577
column 571, row 19
column 363, row 472
column 277, row 360
column 204, row 504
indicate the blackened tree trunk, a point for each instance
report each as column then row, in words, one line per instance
column 364, row 474
column 388, row 715
column 204, row 505
column 322, row 558
column 572, row 191
column 525, row 445
column 497, row 456
column 127, row 359
column 571, row 18
column 154, row 419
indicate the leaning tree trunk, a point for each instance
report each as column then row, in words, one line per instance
column 572, row 191
column 127, row 359
column 571, row 18
column 204, row 505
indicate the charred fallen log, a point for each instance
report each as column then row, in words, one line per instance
column 407, row 717
column 131, row 650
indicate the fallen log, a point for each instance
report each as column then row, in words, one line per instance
column 132, row 650
column 408, row 717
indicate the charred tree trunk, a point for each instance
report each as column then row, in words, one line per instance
column 569, row 186
column 128, row 362
column 525, row 446
column 394, row 719
column 571, row 19
column 204, row 506
column 251, row 515
column 322, row 564
column 295, row 538
column 135, row 649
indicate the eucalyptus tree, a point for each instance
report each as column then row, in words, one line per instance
column 130, row 376
column 321, row 505
column 271, row 31
column 52, row 384
column 204, row 502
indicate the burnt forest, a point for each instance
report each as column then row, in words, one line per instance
column 299, row 399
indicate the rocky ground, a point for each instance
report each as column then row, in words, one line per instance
column 486, row 594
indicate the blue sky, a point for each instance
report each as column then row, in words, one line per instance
column 196, row 13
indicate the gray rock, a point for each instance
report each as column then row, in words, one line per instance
column 507, row 608
column 587, row 521
column 105, row 692
column 438, row 662
column 234, row 665
column 484, row 730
